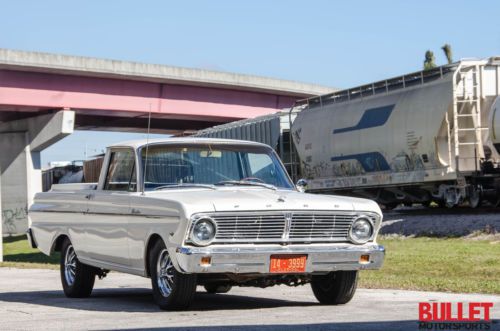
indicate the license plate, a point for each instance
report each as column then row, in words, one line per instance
column 287, row 263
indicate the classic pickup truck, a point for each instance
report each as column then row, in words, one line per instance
column 211, row 212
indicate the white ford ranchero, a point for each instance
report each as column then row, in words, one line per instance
column 211, row 212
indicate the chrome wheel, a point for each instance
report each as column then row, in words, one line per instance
column 70, row 265
column 165, row 273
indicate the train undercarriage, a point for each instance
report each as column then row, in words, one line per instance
column 474, row 190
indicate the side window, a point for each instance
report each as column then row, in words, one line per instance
column 121, row 172
column 261, row 166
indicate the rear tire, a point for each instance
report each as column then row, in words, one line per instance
column 335, row 288
column 77, row 278
column 217, row 288
column 172, row 290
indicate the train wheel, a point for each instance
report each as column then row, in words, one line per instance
column 449, row 204
column 451, row 198
column 427, row 203
column 475, row 198
column 390, row 206
column 441, row 203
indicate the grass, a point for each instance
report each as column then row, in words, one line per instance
column 438, row 264
column 18, row 253
column 428, row 264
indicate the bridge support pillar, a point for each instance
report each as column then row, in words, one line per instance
column 1, row 222
column 21, row 142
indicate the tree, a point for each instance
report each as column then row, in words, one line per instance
column 447, row 52
column 429, row 60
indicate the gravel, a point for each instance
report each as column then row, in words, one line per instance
column 458, row 222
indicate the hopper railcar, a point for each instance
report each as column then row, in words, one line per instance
column 426, row 136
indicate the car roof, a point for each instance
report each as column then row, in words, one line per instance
column 185, row 140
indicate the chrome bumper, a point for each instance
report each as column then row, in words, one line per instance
column 252, row 259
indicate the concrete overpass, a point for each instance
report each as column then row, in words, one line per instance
column 44, row 97
column 109, row 94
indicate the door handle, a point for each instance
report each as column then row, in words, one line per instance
column 135, row 211
column 89, row 196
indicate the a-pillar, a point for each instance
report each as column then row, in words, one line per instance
column 21, row 142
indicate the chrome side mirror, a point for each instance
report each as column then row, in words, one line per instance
column 301, row 185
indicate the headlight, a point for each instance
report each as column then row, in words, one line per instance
column 203, row 231
column 361, row 230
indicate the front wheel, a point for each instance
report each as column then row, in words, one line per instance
column 335, row 288
column 172, row 290
column 77, row 278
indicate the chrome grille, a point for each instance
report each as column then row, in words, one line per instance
column 244, row 227
column 320, row 226
column 282, row 226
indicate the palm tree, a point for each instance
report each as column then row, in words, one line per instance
column 447, row 52
column 429, row 60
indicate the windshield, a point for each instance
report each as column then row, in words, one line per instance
column 170, row 165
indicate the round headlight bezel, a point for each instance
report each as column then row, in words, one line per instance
column 194, row 239
column 372, row 229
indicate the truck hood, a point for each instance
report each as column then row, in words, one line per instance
column 261, row 199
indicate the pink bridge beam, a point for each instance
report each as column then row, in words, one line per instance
column 22, row 90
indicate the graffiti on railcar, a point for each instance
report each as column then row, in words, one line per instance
column 407, row 162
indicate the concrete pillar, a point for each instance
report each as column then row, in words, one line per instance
column 1, row 232
column 21, row 142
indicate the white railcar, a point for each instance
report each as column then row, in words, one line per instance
column 426, row 136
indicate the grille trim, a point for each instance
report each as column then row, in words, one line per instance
column 271, row 226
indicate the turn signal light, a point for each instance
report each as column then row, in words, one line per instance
column 364, row 259
column 206, row 261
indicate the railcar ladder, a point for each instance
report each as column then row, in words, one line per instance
column 467, row 126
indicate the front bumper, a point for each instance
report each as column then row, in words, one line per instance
column 256, row 259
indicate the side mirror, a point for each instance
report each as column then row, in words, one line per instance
column 301, row 185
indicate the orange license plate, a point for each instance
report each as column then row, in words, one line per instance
column 288, row 263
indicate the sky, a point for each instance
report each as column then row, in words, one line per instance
column 333, row 43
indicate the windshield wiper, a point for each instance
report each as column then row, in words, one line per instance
column 247, row 182
column 163, row 187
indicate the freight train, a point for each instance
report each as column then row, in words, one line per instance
column 428, row 136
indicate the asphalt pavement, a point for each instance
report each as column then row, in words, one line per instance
column 32, row 299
